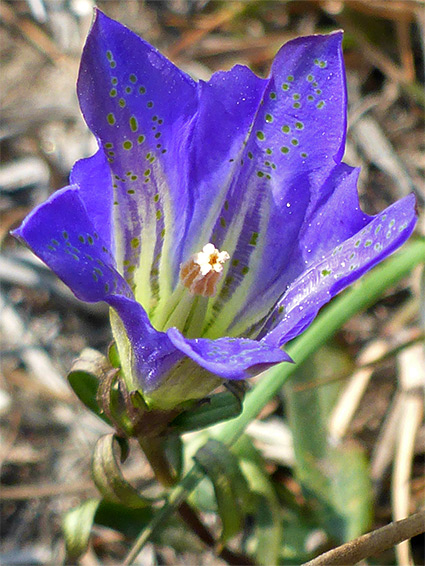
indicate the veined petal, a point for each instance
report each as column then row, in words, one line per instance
column 90, row 174
column 230, row 358
column 228, row 103
column 332, row 216
column 61, row 233
column 140, row 107
column 346, row 263
column 297, row 139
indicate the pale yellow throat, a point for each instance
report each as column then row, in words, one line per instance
column 202, row 271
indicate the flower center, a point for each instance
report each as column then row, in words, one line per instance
column 202, row 271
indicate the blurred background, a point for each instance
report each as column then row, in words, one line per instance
column 46, row 436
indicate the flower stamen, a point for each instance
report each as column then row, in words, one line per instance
column 203, row 270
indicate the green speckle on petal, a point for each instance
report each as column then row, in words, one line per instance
column 284, row 149
column 268, row 118
column 133, row 124
column 127, row 144
column 260, row 135
column 135, row 243
column 254, row 238
column 111, row 118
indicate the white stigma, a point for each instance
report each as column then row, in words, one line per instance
column 202, row 271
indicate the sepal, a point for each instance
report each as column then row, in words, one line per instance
column 107, row 474
column 210, row 411
column 86, row 373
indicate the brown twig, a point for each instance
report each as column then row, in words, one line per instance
column 372, row 543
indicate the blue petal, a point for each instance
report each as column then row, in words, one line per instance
column 93, row 177
column 230, row 358
column 347, row 262
column 331, row 216
column 61, row 233
column 297, row 139
column 140, row 107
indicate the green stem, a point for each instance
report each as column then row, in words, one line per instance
column 153, row 448
column 356, row 299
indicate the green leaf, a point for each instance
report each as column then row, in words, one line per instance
column 230, row 485
column 77, row 525
column 174, row 452
column 267, row 511
column 324, row 471
column 126, row 520
column 84, row 378
column 113, row 356
column 108, row 477
column 352, row 489
column 219, row 407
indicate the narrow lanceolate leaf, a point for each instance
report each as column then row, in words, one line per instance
column 230, row 485
column 108, row 477
column 268, row 525
column 77, row 525
column 334, row 478
column 85, row 375
column 217, row 408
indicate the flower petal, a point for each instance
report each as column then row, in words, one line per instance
column 227, row 106
column 230, row 358
column 297, row 139
column 140, row 107
column 90, row 175
column 332, row 216
column 61, row 233
column 346, row 263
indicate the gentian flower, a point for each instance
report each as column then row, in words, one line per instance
column 217, row 217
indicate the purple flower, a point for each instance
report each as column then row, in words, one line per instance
column 216, row 217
